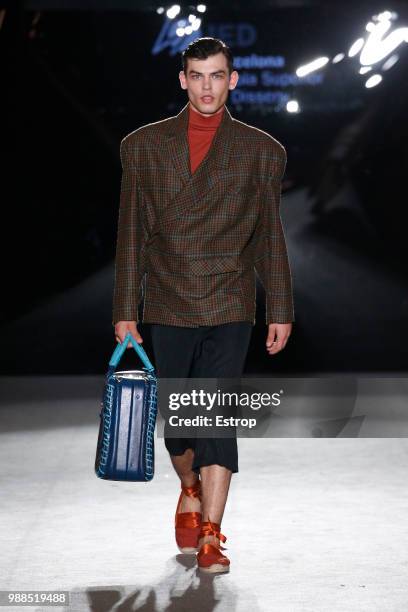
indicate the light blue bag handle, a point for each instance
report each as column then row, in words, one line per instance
column 121, row 348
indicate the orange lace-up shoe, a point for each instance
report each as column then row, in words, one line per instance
column 187, row 524
column 210, row 558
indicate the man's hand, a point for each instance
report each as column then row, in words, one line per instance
column 123, row 327
column 278, row 335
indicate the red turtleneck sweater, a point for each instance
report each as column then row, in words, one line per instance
column 201, row 131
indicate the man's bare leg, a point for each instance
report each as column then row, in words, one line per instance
column 182, row 464
column 215, row 482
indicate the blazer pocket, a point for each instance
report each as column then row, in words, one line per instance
column 195, row 266
column 215, row 265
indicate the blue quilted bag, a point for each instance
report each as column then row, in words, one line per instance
column 125, row 447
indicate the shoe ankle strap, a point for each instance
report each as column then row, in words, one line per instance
column 194, row 491
column 210, row 528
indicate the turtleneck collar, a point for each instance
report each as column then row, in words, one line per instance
column 201, row 122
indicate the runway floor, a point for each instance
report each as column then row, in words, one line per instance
column 313, row 525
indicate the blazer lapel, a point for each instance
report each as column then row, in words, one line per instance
column 196, row 186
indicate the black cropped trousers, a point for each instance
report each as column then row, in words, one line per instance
column 208, row 351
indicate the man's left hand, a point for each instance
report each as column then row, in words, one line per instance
column 278, row 335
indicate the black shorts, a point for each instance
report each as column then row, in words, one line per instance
column 209, row 351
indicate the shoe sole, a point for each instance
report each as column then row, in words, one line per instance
column 188, row 550
column 215, row 568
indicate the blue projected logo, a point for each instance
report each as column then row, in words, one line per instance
column 176, row 35
column 170, row 37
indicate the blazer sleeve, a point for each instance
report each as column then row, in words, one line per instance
column 130, row 244
column 271, row 258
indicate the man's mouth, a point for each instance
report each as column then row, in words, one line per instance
column 207, row 99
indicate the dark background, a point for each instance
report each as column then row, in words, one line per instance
column 79, row 76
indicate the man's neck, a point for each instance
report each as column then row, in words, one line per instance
column 205, row 115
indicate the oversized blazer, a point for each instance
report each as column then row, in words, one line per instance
column 189, row 245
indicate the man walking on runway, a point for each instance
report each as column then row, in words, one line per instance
column 199, row 214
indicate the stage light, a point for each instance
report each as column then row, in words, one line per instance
column 385, row 16
column 356, row 47
column 292, row 106
column 376, row 47
column 365, row 69
column 201, row 8
column 186, row 29
column 337, row 58
column 373, row 80
column 173, row 11
column 389, row 63
column 311, row 66
column 160, row 10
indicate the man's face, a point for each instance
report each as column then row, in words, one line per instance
column 207, row 83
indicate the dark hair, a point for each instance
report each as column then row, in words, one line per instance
column 202, row 48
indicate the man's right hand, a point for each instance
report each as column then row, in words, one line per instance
column 123, row 327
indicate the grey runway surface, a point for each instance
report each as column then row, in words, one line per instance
column 312, row 525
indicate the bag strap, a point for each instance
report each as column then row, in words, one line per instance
column 121, row 347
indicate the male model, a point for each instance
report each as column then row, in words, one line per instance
column 199, row 214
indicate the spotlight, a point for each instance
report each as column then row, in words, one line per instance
column 390, row 62
column 311, row 66
column 356, row 47
column 385, row 16
column 373, row 80
column 377, row 45
column 173, row 11
column 292, row 106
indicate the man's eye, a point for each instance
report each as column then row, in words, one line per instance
column 215, row 76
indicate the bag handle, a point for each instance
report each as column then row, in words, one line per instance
column 121, row 347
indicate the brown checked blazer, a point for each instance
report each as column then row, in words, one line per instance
column 188, row 245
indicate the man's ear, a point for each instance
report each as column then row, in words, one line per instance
column 233, row 79
column 182, row 78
